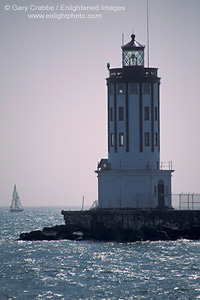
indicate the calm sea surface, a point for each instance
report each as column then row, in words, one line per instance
column 91, row 270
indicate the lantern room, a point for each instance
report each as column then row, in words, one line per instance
column 133, row 53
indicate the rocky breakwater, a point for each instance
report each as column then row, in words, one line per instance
column 122, row 226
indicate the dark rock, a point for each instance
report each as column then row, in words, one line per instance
column 60, row 232
column 154, row 234
column 57, row 232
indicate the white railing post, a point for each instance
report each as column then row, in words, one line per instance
column 193, row 201
column 180, row 200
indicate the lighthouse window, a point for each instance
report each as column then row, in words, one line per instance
column 146, row 88
column 121, row 114
column 146, row 138
column 121, row 139
column 146, row 113
column 121, row 88
column 111, row 114
column 111, row 139
column 111, row 89
column 133, row 88
column 156, row 139
column 156, row 114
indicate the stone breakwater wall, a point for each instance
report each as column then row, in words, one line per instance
column 122, row 225
column 131, row 219
column 133, row 225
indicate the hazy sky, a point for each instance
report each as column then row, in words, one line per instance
column 53, row 119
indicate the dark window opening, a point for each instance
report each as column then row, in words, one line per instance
column 155, row 191
column 111, row 139
column 111, row 114
column 156, row 114
column 146, row 139
column 146, row 88
column 121, row 114
column 121, row 88
column 161, row 194
column 146, row 113
column 133, row 88
column 121, row 139
column 156, row 139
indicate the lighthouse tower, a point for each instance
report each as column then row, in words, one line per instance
column 131, row 177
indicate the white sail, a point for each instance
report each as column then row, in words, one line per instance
column 16, row 205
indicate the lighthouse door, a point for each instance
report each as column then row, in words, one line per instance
column 161, row 194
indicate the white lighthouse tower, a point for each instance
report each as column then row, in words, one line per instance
column 131, row 177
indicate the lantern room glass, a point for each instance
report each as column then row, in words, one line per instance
column 133, row 58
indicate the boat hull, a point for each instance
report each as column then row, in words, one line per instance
column 16, row 210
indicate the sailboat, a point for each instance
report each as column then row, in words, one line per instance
column 15, row 204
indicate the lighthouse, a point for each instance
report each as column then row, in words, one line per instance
column 131, row 176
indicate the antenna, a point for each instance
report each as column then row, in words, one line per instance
column 148, row 33
column 83, row 202
column 122, row 39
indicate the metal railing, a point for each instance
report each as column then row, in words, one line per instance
column 166, row 165
column 121, row 165
column 186, row 201
column 130, row 70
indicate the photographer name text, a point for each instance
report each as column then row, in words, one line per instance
column 63, row 8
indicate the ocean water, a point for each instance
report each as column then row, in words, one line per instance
column 91, row 270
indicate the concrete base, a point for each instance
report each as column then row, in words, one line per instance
column 134, row 188
column 131, row 219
